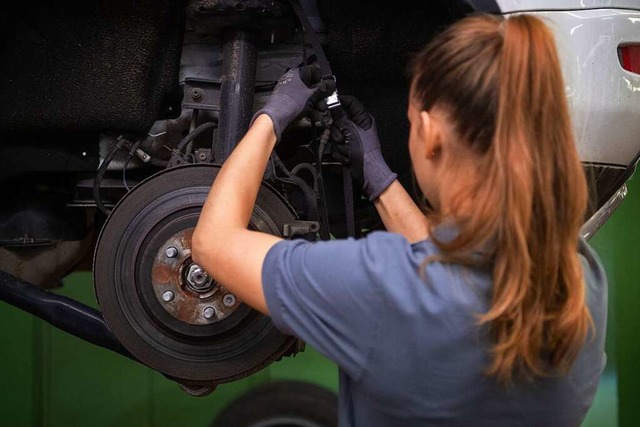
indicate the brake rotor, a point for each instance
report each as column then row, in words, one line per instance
column 162, row 306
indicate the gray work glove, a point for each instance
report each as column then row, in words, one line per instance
column 355, row 143
column 297, row 93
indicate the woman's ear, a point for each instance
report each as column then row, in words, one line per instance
column 429, row 134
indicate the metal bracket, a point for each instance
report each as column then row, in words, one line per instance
column 179, row 160
column 201, row 94
column 203, row 155
column 300, row 228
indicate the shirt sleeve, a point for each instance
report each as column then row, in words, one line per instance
column 329, row 294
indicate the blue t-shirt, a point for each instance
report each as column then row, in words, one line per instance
column 408, row 344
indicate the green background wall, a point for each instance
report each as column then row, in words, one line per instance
column 50, row 378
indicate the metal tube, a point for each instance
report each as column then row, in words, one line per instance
column 236, row 91
column 64, row 313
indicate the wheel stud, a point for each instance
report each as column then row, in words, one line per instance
column 229, row 300
column 171, row 252
column 167, row 296
column 209, row 312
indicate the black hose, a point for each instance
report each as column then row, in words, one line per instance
column 99, row 175
column 193, row 135
column 325, row 232
column 310, row 195
column 126, row 163
column 308, row 167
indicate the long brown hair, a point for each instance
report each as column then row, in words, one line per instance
column 500, row 82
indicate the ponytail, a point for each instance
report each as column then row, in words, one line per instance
column 504, row 89
column 539, row 293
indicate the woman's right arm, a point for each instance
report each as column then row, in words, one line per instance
column 400, row 214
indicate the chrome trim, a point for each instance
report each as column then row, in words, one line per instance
column 597, row 220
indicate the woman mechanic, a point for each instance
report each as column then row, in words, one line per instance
column 488, row 310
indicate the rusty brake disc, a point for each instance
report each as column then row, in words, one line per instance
column 164, row 308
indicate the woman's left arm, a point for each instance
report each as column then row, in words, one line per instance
column 222, row 244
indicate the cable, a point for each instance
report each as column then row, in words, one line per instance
column 193, row 135
column 124, row 173
column 325, row 232
column 100, row 174
column 134, row 148
column 310, row 195
column 308, row 167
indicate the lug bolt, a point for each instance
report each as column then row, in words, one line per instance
column 171, row 252
column 229, row 300
column 209, row 312
column 167, row 296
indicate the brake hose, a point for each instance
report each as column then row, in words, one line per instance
column 325, row 232
column 135, row 146
column 193, row 135
column 100, row 174
column 300, row 10
column 310, row 196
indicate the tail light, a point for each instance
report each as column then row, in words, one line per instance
column 629, row 57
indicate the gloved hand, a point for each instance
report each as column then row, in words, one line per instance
column 356, row 144
column 297, row 92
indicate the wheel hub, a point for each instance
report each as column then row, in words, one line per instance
column 183, row 288
column 198, row 279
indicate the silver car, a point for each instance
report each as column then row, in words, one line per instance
column 599, row 47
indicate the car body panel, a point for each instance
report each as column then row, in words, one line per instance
column 603, row 97
column 507, row 6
